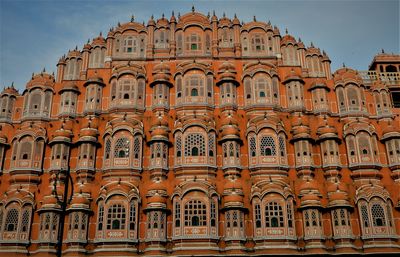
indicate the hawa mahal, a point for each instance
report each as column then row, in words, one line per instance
column 198, row 135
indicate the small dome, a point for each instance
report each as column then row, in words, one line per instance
column 94, row 80
column 88, row 132
column 229, row 119
column 313, row 51
column 230, row 131
column 80, row 200
column 42, row 79
column 233, row 198
column 336, row 187
column 300, row 45
column 62, row 133
column 157, row 186
column 74, row 53
column 233, row 185
column 50, row 200
column 161, row 67
column 286, row 39
column 151, row 21
column 156, row 199
column 235, row 21
column 71, row 86
column 10, row 91
column 309, row 185
column 99, row 41
column 159, row 132
column 345, row 75
column 90, row 123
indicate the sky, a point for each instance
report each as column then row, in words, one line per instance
column 34, row 34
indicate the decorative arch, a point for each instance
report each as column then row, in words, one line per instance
column 195, row 208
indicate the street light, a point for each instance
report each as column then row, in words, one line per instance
column 63, row 203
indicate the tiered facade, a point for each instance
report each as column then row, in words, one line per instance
column 201, row 136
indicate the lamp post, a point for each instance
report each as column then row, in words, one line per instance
column 63, row 203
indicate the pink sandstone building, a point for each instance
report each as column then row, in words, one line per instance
column 201, row 136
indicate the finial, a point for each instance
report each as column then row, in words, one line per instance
column 213, row 12
column 344, row 65
column 173, row 13
column 12, row 84
column 33, row 74
column 223, row 14
column 192, row 8
column 119, row 24
column 143, row 23
column 254, row 18
column 235, row 16
column 52, row 74
column 312, row 44
column 208, row 15
column 162, row 15
column 383, row 50
column 101, row 34
column 299, row 39
column 179, row 15
column 132, row 18
column 269, row 22
column 88, row 41
column 286, row 31
column 44, row 70
column 152, row 17
column 76, row 48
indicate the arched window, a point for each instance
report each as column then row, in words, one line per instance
column 267, row 146
column 161, row 38
column 253, row 146
column 132, row 216
column 274, row 215
column 195, row 144
column 258, row 43
column 177, row 216
column 257, row 214
column 178, row 145
column 195, row 85
column 193, row 42
column 364, row 215
column 96, row 58
column 48, row 226
column 116, row 217
column 195, row 213
column 378, row 215
column 194, row 92
column 107, row 149
column 100, row 217
column 122, row 147
column 11, row 223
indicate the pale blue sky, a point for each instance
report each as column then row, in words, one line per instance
column 34, row 34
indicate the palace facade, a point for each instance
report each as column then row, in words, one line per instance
column 198, row 135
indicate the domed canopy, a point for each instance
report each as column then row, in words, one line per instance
column 42, row 79
column 288, row 39
column 161, row 74
column 346, row 75
column 94, row 80
column 10, row 91
column 71, row 86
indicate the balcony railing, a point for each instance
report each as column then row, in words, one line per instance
column 388, row 78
